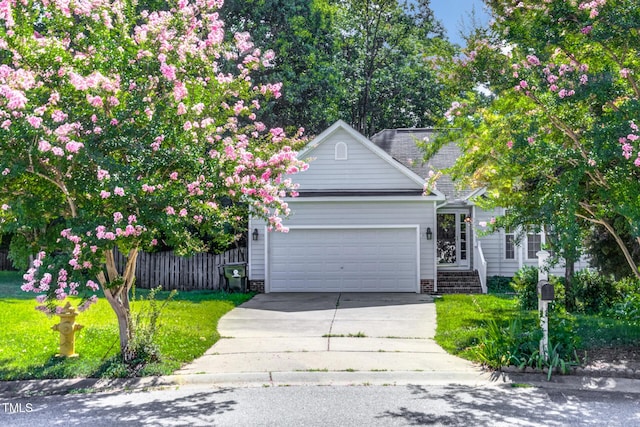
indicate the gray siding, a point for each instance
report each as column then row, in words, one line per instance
column 493, row 247
column 355, row 213
column 363, row 169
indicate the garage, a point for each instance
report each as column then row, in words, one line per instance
column 344, row 259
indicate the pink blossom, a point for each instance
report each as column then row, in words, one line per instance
column 105, row 194
column 586, row 30
column 510, row 144
column 183, row 212
column 6, row 171
column 118, row 191
column 103, row 174
column 624, row 72
column 58, row 116
column 170, row 211
column 36, row 122
column 95, row 101
column 168, row 71
column 533, row 60
column 117, row 217
column 74, row 146
column 179, row 91
column 57, row 151
column 173, row 176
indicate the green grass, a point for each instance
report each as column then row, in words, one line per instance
column 188, row 327
column 462, row 323
column 462, row 319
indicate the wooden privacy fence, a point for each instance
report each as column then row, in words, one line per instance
column 170, row 271
column 5, row 262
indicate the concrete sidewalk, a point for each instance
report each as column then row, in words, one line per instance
column 330, row 332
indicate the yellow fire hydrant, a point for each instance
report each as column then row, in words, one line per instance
column 67, row 328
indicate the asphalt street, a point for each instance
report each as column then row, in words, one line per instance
column 358, row 405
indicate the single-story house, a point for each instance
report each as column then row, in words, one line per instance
column 363, row 223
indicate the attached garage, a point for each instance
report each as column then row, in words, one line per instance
column 344, row 259
column 362, row 223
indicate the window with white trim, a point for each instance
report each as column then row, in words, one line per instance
column 341, row 151
column 509, row 244
column 534, row 245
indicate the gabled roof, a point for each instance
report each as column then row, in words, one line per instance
column 401, row 144
column 369, row 145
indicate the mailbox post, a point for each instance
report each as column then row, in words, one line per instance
column 545, row 296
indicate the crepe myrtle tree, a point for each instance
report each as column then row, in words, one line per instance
column 119, row 127
column 558, row 135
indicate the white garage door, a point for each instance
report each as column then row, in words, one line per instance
column 343, row 260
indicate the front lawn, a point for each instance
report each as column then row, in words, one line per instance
column 463, row 323
column 188, row 327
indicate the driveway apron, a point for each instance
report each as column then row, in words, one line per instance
column 324, row 332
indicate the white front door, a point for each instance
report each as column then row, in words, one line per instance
column 453, row 239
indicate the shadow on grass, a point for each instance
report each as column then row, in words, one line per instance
column 56, row 367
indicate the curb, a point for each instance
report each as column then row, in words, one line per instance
column 575, row 382
column 580, row 371
column 27, row 388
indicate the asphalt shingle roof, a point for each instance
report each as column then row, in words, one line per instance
column 401, row 145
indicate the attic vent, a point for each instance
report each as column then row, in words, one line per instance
column 341, row 151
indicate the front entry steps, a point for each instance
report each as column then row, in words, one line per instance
column 459, row 282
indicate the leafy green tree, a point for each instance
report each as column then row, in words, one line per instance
column 384, row 60
column 547, row 104
column 302, row 35
column 120, row 127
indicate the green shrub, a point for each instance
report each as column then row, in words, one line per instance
column 628, row 309
column 499, row 285
column 626, row 286
column 525, row 284
column 593, row 292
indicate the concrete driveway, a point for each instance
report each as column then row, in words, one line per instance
column 330, row 332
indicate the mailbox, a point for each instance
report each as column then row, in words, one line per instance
column 546, row 291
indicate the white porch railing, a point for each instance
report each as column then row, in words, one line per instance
column 481, row 266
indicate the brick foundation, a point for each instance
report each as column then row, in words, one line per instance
column 426, row 286
column 256, row 286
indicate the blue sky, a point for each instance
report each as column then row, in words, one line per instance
column 451, row 12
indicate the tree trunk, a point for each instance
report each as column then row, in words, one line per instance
column 569, row 270
column 116, row 289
